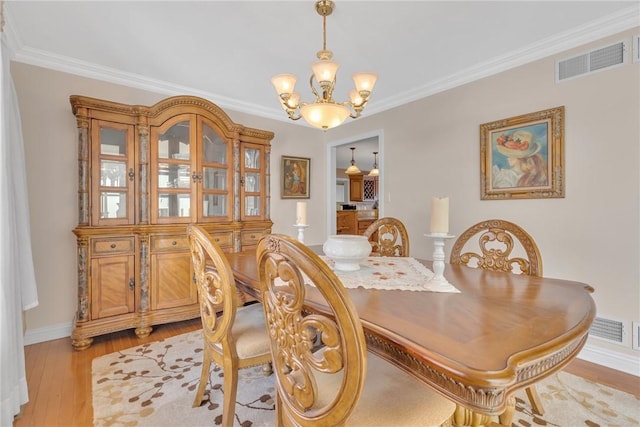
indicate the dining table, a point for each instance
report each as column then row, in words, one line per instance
column 498, row 333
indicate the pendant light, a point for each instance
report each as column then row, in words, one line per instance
column 375, row 171
column 353, row 169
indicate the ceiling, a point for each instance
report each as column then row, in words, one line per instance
column 227, row 51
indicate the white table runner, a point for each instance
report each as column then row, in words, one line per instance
column 388, row 273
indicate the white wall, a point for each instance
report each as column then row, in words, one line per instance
column 431, row 148
column 592, row 235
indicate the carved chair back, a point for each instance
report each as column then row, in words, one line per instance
column 285, row 265
column 498, row 245
column 388, row 237
column 234, row 337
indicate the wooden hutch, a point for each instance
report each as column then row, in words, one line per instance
column 144, row 174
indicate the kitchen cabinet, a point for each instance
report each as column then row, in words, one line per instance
column 347, row 222
column 145, row 173
column 356, row 188
column 363, row 188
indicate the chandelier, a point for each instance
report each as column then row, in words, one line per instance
column 324, row 113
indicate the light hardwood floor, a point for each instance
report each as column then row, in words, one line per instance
column 59, row 378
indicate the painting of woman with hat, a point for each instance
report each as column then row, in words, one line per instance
column 518, row 160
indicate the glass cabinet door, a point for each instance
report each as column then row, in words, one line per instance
column 191, row 173
column 215, row 175
column 113, row 182
column 252, row 182
column 172, row 176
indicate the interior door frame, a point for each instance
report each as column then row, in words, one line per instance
column 331, row 174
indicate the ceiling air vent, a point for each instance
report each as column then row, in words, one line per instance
column 610, row 330
column 590, row 62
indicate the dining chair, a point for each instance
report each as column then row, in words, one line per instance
column 388, row 237
column 337, row 382
column 234, row 337
column 500, row 245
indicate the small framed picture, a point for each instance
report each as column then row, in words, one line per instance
column 523, row 157
column 295, row 177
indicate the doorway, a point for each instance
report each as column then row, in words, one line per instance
column 339, row 155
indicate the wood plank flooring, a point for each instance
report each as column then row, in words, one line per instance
column 59, row 378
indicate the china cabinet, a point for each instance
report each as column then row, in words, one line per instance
column 145, row 172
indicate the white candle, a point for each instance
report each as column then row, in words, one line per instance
column 301, row 213
column 440, row 215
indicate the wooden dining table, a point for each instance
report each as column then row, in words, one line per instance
column 500, row 333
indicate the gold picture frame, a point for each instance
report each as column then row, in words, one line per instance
column 522, row 157
column 295, row 172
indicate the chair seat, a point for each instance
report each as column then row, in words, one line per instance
column 248, row 331
column 391, row 397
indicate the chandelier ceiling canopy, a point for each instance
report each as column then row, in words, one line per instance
column 324, row 112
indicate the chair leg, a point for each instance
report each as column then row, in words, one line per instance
column 204, row 378
column 534, row 399
column 230, row 391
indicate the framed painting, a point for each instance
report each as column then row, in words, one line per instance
column 523, row 157
column 295, row 177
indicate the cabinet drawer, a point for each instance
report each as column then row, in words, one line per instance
column 111, row 245
column 224, row 239
column 251, row 237
column 169, row 243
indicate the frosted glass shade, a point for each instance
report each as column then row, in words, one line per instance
column 365, row 81
column 284, row 83
column 325, row 71
column 353, row 170
column 324, row 115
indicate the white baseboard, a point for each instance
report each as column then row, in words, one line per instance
column 611, row 359
column 53, row 332
column 590, row 353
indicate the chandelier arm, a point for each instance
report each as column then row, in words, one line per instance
column 313, row 88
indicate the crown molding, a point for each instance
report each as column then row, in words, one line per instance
column 608, row 25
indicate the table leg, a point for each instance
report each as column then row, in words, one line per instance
column 466, row 417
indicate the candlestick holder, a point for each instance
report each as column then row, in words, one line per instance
column 300, row 228
column 438, row 283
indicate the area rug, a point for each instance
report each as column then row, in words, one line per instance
column 154, row 385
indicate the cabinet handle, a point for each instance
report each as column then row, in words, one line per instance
column 174, row 243
column 113, row 246
column 132, row 284
column 131, row 174
column 195, row 177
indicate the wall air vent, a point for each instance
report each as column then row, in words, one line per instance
column 610, row 330
column 592, row 61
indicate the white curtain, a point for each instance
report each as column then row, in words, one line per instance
column 17, row 277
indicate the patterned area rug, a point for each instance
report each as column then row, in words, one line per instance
column 154, row 384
